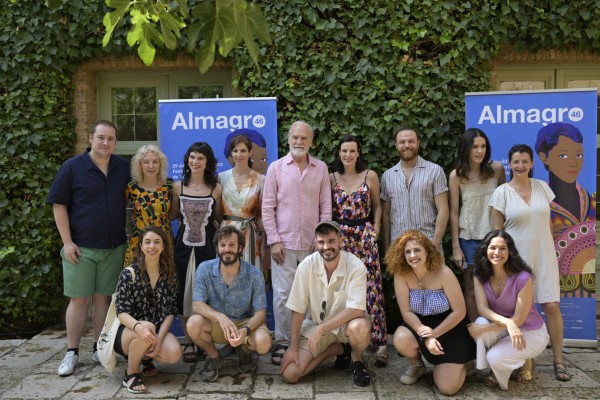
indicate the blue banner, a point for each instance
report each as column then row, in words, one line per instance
column 183, row 122
column 560, row 126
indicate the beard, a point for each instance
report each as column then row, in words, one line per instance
column 329, row 255
column 408, row 155
column 228, row 259
column 298, row 152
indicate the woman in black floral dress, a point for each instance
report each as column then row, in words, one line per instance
column 146, row 305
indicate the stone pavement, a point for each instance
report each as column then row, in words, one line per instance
column 28, row 371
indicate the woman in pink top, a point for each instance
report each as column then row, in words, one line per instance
column 510, row 332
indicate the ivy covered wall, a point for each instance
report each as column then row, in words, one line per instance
column 361, row 67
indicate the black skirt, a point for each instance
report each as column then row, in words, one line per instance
column 458, row 345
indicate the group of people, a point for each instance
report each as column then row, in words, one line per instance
column 321, row 230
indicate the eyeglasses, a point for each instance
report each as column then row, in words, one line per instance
column 322, row 315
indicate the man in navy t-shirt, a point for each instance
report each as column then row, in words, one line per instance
column 88, row 201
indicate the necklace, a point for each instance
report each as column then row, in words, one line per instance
column 419, row 280
column 498, row 285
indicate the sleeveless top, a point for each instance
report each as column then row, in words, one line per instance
column 198, row 219
column 428, row 302
column 505, row 304
column 352, row 209
column 474, row 219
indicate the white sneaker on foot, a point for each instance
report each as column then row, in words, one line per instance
column 413, row 372
column 68, row 364
column 95, row 357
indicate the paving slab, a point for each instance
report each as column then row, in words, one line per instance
column 28, row 371
column 7, row 346
column 273, row 387
column 41, row 386
column 346, row 396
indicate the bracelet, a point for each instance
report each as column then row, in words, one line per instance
column 247, row 329
column 136, row 324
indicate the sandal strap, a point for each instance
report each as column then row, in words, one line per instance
column 137, row 380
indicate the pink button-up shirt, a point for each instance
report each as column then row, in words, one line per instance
column 295, row 201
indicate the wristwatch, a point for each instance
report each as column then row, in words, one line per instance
column 248, row 330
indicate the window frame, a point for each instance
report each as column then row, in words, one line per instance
column 166, row 84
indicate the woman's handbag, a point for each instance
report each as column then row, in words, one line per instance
column 106, row 341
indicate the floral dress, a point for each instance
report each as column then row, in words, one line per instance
column 352, row 211
column 150, row 207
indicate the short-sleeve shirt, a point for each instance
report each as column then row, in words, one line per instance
column 241, row 300
column 138, row 299
column 529, row 226
column 347, row 288
column 95, row 202
column 412, row 205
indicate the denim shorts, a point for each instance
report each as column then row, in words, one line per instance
column 469, row 248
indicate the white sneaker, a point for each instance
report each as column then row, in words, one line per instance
column 413, row 372
column 68, row 364
column 95, row 357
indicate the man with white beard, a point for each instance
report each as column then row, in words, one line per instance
column 296, row 197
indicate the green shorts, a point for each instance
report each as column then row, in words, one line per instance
column 97, row 272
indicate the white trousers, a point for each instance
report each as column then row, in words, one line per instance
column 282, row 276
column 495, row 351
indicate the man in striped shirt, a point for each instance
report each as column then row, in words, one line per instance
column 414, row 194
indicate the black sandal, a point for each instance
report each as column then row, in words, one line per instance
column 136, row 380
column 148, row 368
column 278, row 353
column 360, row 375
column 192, row 356
column 344, row 360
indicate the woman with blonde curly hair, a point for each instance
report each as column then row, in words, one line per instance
column 149, row 193
column 433, row 311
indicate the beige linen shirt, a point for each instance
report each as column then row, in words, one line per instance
column 347, row 288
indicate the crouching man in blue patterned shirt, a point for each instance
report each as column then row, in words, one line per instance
column 230, row 306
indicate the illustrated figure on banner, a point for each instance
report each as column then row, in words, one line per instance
column 573, row 211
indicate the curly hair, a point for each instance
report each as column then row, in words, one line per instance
column 210, row 173
column 463, row 165
column 396, row 260
column 483, row 269
column 167, row 258
column 136, row 163
column 337, row 164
